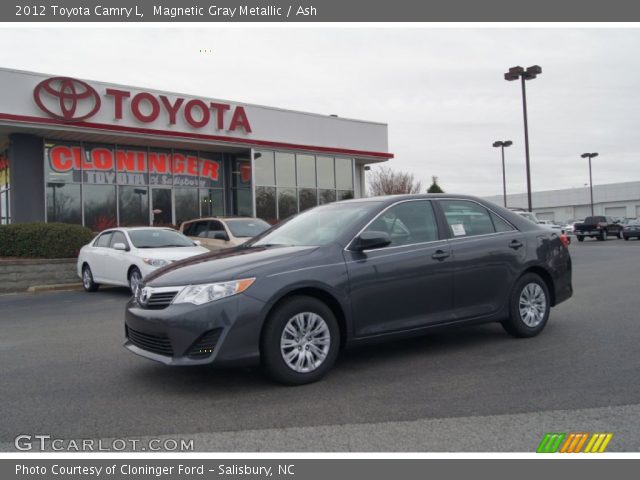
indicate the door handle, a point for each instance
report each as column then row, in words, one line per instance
column 440, row 255
column 516, row 244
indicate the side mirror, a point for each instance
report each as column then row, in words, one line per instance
column 220, row 236
column 370, row 240
column 197, row 242
column 120, row 246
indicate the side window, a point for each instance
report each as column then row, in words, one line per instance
column 467, row 219
column 500, row 224
column 407, row 223
column 196, row 229
column 104, row 239
column 118, row 237
column 214, row 227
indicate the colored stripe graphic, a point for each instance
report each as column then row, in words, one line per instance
column 550, row 443
column 573, row 442
column 598, row 442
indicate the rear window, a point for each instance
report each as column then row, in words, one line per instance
column 247, row 228
column 594, row 219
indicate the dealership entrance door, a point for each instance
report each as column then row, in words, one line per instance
column 161, row 206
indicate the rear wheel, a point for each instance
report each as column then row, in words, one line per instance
column 529, row 307
column 626, row 238
column 580, row 238
column 603, row 236
column 87, row 280
column 300, row 341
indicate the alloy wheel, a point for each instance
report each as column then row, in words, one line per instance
column 532, row 304
column 305, row 342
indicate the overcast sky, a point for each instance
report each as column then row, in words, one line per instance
column 441, row 91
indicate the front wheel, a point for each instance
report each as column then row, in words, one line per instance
column 135, row 280
column 529, row 307
column 626, row 238
column 87, row 280
column 300, row 341
column 580, row 238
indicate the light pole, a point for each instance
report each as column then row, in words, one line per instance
column 502, row 144
column 529, row 74
column 590, row 156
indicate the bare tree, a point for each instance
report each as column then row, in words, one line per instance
column 385, row 181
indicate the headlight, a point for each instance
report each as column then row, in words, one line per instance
column 209, row 292
column 155, row 262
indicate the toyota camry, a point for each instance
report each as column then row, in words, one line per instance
column 348, row 273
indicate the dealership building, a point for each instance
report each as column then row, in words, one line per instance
column 619, row 200
column 102, row 155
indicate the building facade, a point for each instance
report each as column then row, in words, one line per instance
column 102, row 155
column 619, row 200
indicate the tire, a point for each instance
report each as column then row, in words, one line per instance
column 530, row 287
column 603, row 236
column 619, row 234
column 87, row 280
column 626, row 238
column 580, row 238
column 135, row 279
column 279, row 339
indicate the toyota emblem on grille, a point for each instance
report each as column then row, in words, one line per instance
column 67, row 99
column 144, row 294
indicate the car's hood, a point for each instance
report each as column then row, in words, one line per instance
column 171, row 254
column 228, row 264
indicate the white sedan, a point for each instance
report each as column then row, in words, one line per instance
column 124, row 256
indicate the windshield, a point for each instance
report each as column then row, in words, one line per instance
column 318, row 226
column 529, row 216
column 158, row 238
column 247, row 227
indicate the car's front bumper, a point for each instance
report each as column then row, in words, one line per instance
column 223, row 331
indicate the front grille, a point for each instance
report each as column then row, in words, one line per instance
column 204, row 346
column 160, row 300
column 152, row 343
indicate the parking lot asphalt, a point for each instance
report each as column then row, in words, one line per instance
column 65, row 373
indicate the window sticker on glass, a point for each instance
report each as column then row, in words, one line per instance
column 458, row 229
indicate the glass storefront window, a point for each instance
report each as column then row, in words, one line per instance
column 131, row 166
column 63, row 203
column 133, row 205
column 98, row 164
column 345, row 194
column 186, row 201
column 287, row 202
column 307, row 198
column 327, row 196
column 211, row 202
column 264, row 164
column 326, row 172
column 211, row 170
column 243, row 202
column 185, row 168
column 63, row 162
column 266, row 204
column 306, row 170
column 285, row 170
column 99, row 206
column 344, row 174
column 159, row 161
column 161, row 206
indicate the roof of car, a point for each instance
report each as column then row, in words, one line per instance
column 395, row 198
column 219, row 218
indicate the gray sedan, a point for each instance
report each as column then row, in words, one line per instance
column 349, row 273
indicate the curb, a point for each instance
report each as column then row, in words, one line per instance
column 54, row 288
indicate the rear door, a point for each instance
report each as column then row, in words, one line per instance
column 407, row 284
column 487, row 255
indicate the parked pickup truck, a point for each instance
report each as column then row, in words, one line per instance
column 599, row 227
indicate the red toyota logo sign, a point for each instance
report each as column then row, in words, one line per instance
column 67, row 99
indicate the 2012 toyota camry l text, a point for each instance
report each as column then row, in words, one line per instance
column 348, row 273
